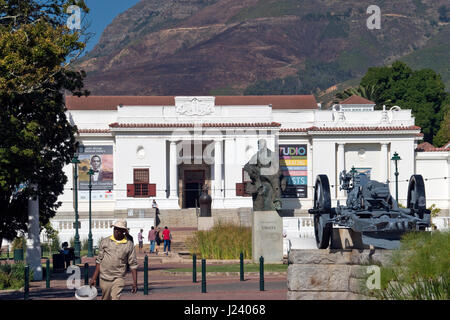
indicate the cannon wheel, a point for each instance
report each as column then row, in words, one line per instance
column 416, row 194
column 322, row 202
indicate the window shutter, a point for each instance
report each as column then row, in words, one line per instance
column 152, row 190
column 240, row 189
column 130, row 190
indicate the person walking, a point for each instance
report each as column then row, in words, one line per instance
column 141, row 240
column 158, row 239
column 152, row 239
column 167, row 237
column 115, row 253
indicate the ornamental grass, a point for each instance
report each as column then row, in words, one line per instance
column 223, row 241
column 420, row 270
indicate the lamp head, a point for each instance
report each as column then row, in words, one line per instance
column 396, row 157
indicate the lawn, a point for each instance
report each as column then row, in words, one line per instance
column 251, row 267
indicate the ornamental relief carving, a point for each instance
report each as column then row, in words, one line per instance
column 195, row 106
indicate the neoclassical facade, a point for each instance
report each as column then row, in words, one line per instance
column 167, row 148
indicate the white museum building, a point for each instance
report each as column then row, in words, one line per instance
column 167, row 148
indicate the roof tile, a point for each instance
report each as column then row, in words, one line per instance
column 111, row 102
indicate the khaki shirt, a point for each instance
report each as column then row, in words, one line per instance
column 113, row 258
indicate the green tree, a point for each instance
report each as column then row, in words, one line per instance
column 422, row 91
column 36, row 139
column 443, row 135
column 371, row 92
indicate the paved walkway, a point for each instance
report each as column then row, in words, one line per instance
column 165, row 285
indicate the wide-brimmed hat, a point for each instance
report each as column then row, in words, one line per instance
column 122, row 224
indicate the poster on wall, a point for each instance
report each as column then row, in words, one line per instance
column 100, row 160
column 366, row 171
column 294, row 167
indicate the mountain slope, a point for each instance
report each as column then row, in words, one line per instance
column 195, row 47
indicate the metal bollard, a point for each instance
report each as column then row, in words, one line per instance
column 27, row 283
column 47, row 274
column 86, row 274
column 194, row 268
column 261, row 273
column 146, row 275
column 241, row 269
column 203, row 276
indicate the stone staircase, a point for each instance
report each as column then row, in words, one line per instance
column 177, row 218
column 179, row 237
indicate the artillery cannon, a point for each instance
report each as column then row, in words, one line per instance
column 370, row 210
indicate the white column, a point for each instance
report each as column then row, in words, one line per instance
column 384, row 162
column 217, row 168
column 311, row 180
column 340, row 167
column 173, row 170
column 231, row 168
column 33, row 241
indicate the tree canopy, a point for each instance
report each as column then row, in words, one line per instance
column 422, row 91
column 36, row 139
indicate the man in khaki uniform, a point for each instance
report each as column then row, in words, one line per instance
column 114, row 254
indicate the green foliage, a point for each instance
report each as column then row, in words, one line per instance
column 434, row 55
column 85, row 244
column 19, row 243
column 443, row 134
column 12, row 276
column 422, row 91
column 223, row 241
column 36, row 139
column 371, row 93
column 420, row 270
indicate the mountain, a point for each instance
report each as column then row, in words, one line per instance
column 202, row 47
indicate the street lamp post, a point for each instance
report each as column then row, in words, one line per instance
column 90, row 251
column 396, row 158
column 75, row 162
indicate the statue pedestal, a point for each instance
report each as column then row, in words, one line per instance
column 267, row 237
column 346, row 239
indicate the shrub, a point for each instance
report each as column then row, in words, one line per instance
column 223, row 241
column 12, row 276
column 56, row 244
column 419, row 270
column 19, row 243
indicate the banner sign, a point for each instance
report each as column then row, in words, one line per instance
column 294, row 167
column 99, row 159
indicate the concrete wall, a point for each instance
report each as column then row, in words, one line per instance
column 435, row 169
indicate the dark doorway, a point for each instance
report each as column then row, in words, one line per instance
column 193, row 191
column 193, row 184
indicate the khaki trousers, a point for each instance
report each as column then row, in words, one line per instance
column 111, row 290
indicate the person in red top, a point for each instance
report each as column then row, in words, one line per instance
column 167, row 236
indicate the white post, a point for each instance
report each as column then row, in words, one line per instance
column 173, row 170
column 384, row 162
column 217, row 168
column 340, row 167
column 33, row 241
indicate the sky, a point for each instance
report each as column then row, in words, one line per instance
column 101, row 13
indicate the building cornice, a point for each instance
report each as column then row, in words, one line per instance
column 164, row 126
